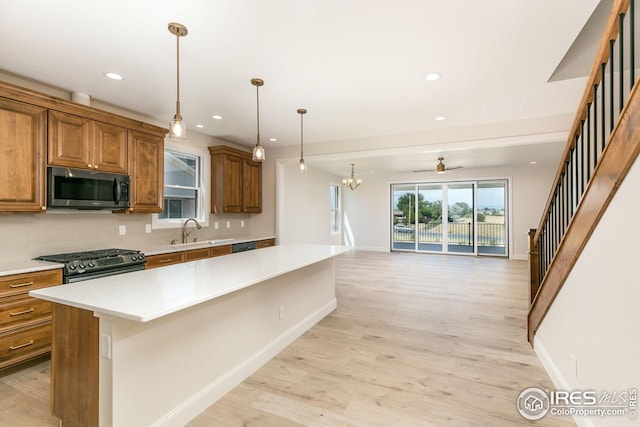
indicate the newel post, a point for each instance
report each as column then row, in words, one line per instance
column 534, row 280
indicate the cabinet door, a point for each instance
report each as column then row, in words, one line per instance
column 252, row 187
column 232, row 183
column 70, row 141
column 146, row 167
column 23, row 130
column 110, row 147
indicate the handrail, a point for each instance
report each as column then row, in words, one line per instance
column 585, row 183
column 595, row 77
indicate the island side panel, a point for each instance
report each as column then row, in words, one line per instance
column 166, row 371
column 74, row 366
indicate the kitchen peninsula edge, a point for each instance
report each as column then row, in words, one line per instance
column 164, row 344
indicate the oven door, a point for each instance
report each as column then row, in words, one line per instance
column 104, row 273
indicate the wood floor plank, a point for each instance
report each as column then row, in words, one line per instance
column 416, row 340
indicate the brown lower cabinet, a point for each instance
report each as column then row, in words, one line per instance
column 25, row 322
column 169, row 258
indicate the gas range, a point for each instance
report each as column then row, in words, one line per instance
column 86, row 265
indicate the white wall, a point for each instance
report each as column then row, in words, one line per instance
column 596, row 315
column 303, row 206
column 368, row 207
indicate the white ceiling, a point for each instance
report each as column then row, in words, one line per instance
column 357, row 66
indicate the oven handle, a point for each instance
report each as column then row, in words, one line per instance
column 83, row 277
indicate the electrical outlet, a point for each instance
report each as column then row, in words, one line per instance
column 242, row 223
column 228, row 224
column 574, row 365
column 105, row 346
column 281, row 313
column 122, row 230
column 147, row 228
column 215, row 225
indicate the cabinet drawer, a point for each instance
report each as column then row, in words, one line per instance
column 24, row 344
column 20, row 311
column 22, row 283
column 154, row 261
column 265, row 243
column 221, row 250
column 195, row 254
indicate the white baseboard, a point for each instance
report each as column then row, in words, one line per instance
column 372, row 248
column 521, row 257
column 556, row 377
column 206, row 397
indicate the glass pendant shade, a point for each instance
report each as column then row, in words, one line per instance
column 177, row 128
column 302, row 166
column 258, row 153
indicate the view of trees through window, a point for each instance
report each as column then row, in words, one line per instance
column 418, row 217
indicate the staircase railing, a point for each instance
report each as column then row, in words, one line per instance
column 603, row 143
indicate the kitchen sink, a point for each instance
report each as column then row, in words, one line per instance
column 201, row 243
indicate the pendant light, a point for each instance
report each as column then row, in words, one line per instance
column 258, row 151
column 302, row 166
column 177, row 128
column 352, row 183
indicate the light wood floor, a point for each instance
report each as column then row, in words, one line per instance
column 417, row 340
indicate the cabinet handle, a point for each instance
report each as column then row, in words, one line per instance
column 18, row 313
column 21, row 285
column 15, row 347
column 162, row 261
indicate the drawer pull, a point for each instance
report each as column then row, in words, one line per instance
column 21, row 285
column 16, row 347
column 18, row 313
column 162, row 261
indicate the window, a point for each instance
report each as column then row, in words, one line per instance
column 334, row 205
column 182, row 192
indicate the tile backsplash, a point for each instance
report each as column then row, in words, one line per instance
column 25, row 236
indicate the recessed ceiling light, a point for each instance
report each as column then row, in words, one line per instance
column 200, row 126
column 114, row 76
column 217, row 117
column 440, row 118
column 432, row 76
column 532, row 163
column 273, row 139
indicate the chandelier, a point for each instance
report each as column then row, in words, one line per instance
column 352, row 183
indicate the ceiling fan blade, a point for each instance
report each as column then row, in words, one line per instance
column 454, row 167
column 426, row 170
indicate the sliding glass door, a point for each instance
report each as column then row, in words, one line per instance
column 454, row 217
column 460, row 223
column 492, row 217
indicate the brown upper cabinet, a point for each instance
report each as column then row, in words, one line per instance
column 236, row 181
column 79, row 142
column 23, row 132
column 34, row 126
column 146, row 167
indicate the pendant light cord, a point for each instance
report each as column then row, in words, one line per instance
column 178, row 74
column 301, row 136
column 258, row 114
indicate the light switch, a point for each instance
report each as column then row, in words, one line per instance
column 147, row 228
column 122, row 230
column 215, row 225
column 228, row 224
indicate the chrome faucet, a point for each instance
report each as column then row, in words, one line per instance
column 185, row 233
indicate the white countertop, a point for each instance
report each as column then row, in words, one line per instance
column 149, row 294
column 205, row 243
column 26, row 266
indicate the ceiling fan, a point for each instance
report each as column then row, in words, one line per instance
column 440, row 168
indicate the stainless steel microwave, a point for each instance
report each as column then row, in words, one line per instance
column 81, row 189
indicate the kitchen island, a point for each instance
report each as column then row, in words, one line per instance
column 157, row 347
